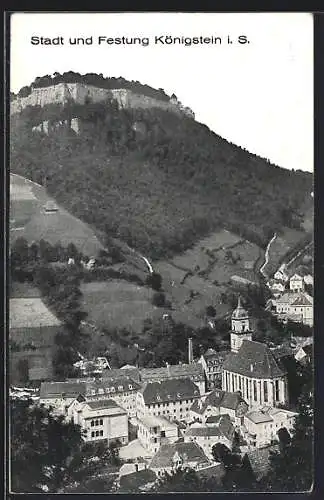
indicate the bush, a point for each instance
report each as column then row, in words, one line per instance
column 158, row 299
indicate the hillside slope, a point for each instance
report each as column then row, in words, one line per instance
column 154, row 179
column 28, row 219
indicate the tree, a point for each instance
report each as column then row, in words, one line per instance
column 181, row 480
column 154, row 280
column 19, row 253
column 292, row 466
column 48, row 453
column 158, row 299
column 211, row 311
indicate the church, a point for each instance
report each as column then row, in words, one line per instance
column 251, row 367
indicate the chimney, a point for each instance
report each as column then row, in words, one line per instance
column 168, row 369
column 190, row 351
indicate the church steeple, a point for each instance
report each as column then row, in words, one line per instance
column 240, row 326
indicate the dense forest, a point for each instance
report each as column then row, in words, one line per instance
column 154, row 179
column 93, row 79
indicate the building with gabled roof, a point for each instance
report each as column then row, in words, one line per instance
column 121, row 389
column 59, row 395
column 206, row 436
column 99, row 420
column 171, row 399
column 212, row 362
column 217, row 403
column 193, row 371
column 295, row 306
column 257, row 374
column 261, row 426
column 171, row 457
column 153, row 432
column 296, row 283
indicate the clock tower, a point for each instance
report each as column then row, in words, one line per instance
column 240, row 327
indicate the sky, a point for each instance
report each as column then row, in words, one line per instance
column 258, row 95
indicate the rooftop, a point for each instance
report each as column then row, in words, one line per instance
column 30, row 313
column 295, row 299
column 218, row 398
column 269, row 414
column 258, row 417
column 189, row 452
column 254, row 359
column 169, row 390
column 116, row 385
column 58, row 389
column 223, row 427
column 172, row 371
column 102, row 404
column 153, row 421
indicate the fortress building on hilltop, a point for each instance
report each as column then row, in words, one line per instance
column 79, row 93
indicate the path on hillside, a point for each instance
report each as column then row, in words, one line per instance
column 266, row 256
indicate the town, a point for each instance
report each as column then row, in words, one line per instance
column 160, row 287
column 172, row 417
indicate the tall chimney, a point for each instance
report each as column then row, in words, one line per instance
column 190, row 351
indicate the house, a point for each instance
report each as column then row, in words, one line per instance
column 277, row 287
column 296, row 283
column 212, row 363
column 219, row 430
column 261, row 426
column 308, row 279
column 50, row 207
column 59, row 395
column 171, row 457
column 281, row 274
column 257, row 374
column 121, row 389
column 171, row 399
column 304, row 354
column 152, row 432
column 100, row 420
column 217, row 403
column 295, row 306
column 132, row 373
column 193, row 371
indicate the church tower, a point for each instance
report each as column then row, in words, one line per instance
column 240, row 327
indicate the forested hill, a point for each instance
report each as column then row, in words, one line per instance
column 157, row 180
